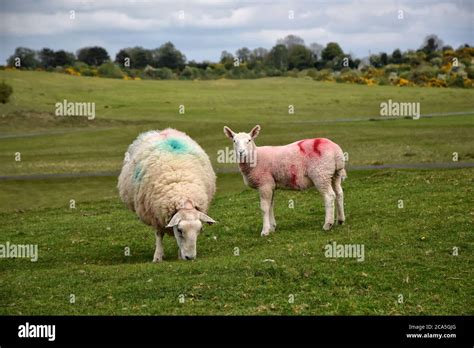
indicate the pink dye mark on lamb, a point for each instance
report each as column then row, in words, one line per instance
column 316, row 144
column 293, row 174
column 300, row 145
column 306, row 149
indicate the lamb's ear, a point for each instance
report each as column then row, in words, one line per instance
column 255, row 131
column 174, row 220
column 204, row 218
column 227, row 131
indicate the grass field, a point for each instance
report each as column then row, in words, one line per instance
column 408, row 251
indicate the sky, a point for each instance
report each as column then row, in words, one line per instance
column 202, row 29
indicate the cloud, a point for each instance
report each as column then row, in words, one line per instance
column 64, row 22
column 214, row 25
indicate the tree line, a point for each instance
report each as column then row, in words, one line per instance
column 288, row 56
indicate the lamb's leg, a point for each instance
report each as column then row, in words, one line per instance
column 158, row 257
column 325, row 188
column 265, row 204
column 273, row 223
column 336, row 185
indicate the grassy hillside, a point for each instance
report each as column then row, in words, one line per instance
column 125, row 108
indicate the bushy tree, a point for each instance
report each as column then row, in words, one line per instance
column 259, row 53
column 27, row 58
column 47, row 57
column 243, row 54
column 122, row 55
column 52, row 59
column 63, row 58
column 431, row 43
column 139, row 57
column 383, row 58
column 278, row 57
column 331, row 51
column 375, row 61
column 227, row 59
column 396, row 57
column 290, row 41
column 94, row 56
column 168, row 56
column 300, row 57
column 257, row 57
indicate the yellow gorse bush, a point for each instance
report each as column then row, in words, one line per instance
column 71, row 71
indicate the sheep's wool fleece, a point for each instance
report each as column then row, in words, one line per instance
column 161, row 170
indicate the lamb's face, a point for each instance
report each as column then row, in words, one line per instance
column 243, row 143
column 243, row 146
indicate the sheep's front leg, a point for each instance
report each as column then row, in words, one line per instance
column 266, row 194
column 158, row 257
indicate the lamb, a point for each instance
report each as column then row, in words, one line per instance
column 295, row 166
column 168, row 181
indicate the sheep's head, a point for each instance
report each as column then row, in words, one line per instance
column 244, row 146
column 187, row 224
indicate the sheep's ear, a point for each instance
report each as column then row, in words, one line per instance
column 174, row 220
column 255, row 131
column 204, row 218
column 227, row 131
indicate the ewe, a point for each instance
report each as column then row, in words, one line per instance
column 168, row 181
column 296, row 166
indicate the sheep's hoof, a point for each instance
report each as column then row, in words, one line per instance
column 327, row 226
column 265, row 233
column 273, row 228
column 157, row 259
column 340, row 222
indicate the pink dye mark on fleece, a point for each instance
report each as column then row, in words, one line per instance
column 316, row 145
column 293, row 175
column 311, row 147
column 300, row 145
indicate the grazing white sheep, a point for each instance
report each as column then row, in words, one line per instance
column 311, row 162
column 168, row 181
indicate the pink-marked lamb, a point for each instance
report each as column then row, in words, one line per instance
column 168, row 181
column 297, row 166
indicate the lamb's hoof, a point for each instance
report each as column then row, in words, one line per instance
column 327, row 226
column 273, row 228
column 265, row 233
column 340, row 222
column 157, row 259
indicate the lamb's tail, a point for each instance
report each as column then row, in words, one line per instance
column 342, row 173
column 340, row 164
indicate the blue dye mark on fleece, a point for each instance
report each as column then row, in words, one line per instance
column 138, row 174
column 173, row 145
